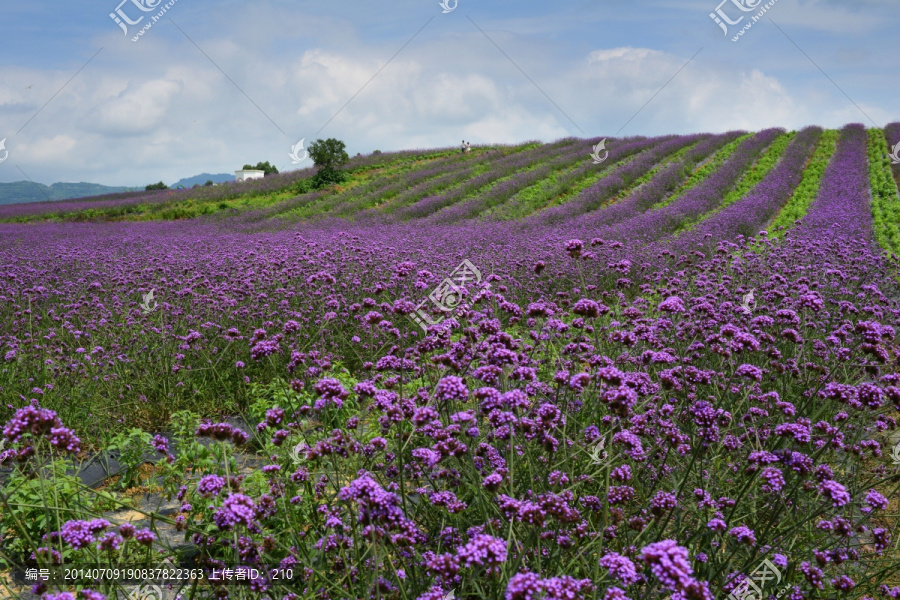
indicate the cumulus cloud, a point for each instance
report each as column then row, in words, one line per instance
column 139, row 109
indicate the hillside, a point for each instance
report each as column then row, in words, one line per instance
column 678, row 181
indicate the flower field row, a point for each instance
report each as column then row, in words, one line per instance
column 808, row 188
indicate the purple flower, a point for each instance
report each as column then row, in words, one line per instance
column 774, row 478
column 835, row 492
column 614, row 593
column 451, row 388
column 210, row 485
column 843, row 583
column 876, row 500
column 566, row 588
column 574, row 247
column 590, row 309
column 79, row 534
column 375, row 504
column 64, row 439
column 237, row 509
column 47, row 554
column 524, row 586
column 443, row 565
column 717, row 525
column 621, row 473
column 40, row 422
column 672, row 304
column 329, row 390
column 110, row 541
column 662, row 502
column 161, row 444
column 619, row 494
column 492, row 482
column 620, row 567
column 744, row 535
column 434, row 593
column 264, row 348
column 144, row 537
column 669, row 563
column 483, row 550
column 750, row 372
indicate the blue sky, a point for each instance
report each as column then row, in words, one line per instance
column 213, row 85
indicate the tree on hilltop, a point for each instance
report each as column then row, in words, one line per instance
column 328, row 155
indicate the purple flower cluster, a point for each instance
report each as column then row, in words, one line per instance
column 41, row 422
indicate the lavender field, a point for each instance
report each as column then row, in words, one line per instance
column 510, row 374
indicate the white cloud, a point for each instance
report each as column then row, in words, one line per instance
column 139, row 109
column 59, row 148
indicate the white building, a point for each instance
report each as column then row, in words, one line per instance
column 249, row 174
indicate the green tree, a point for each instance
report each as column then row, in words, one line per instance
column 328, row 155
column 208, row 183
column 262, row 166
column 156, row 186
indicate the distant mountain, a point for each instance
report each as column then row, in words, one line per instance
column 203, row 178
column 26, row 191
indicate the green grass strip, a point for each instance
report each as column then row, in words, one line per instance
column 885, row 199
column 808, row 189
